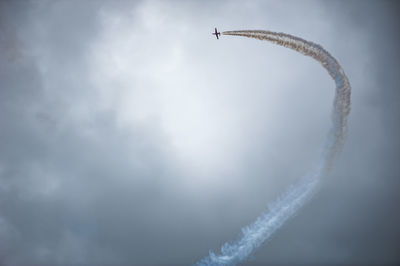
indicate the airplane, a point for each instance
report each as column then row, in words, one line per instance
column 216, row 33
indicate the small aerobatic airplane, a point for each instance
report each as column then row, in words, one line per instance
column 216, row 33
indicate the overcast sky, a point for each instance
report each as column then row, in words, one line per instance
column 129, row 135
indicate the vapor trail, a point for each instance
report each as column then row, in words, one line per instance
column 260, row 231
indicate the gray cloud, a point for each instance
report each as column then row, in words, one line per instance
column 130, row 136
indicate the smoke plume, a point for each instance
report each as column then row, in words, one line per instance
column 260, row 231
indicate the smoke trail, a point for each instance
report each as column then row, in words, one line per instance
column 260, row 231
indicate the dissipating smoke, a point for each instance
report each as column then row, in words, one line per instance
column 283, row 208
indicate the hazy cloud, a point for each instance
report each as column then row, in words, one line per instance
column 130, row 136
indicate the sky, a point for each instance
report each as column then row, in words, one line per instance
column 129, row 135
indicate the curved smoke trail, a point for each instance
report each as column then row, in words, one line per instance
column 288, row 204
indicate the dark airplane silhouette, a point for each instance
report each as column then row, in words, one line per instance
column 216, row 33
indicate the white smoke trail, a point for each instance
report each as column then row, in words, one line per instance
column 253, row 235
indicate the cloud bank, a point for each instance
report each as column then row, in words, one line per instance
column 119, row 131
